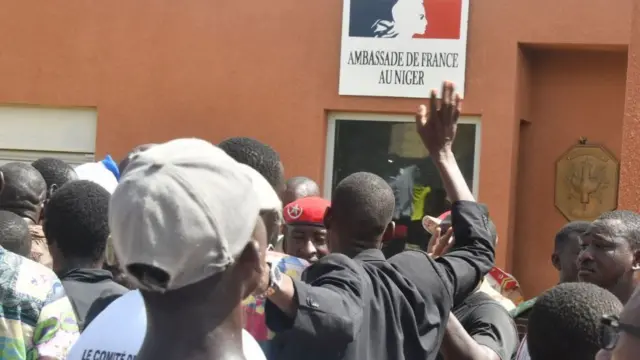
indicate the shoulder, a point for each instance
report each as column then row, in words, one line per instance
column 523, row 308
column 28, row 278
column 338, row 264
column 480, row 305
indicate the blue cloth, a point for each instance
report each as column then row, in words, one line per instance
column 111, row 165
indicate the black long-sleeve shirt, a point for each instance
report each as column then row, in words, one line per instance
column 369, row 308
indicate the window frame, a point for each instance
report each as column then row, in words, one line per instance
column 334, row 116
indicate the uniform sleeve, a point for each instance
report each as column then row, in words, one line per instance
column 491, row 325
column 473, row 254
column 57, row 328
column 330, row 302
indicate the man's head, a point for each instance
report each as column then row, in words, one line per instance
column 55, row 173
column 565, row 321
column 361, row 210
column 305, row 235
column 259, row 156
column 567, row 248
column 24, row 191
column 127, row 159
column 611, row 250
column 186, row 226
column 299, row 187
column 14, row 234
column 76, row 225
column 623, row 337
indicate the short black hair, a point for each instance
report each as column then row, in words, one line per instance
column 24, row 190
column 55, row 171
column 565, row 320
column 363, row 203
column 14, row 233
column 261, row 157
column 76, row 219
column 574, row 227
column 629, row 224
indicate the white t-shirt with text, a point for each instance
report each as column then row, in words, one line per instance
column 118, row 332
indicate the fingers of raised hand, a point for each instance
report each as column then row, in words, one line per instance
column 421, row 116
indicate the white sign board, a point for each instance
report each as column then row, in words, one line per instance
column 402, row 48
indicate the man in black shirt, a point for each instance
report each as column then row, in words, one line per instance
column 353, row 304
column 480, row 328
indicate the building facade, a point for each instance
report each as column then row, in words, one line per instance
column 539, row 75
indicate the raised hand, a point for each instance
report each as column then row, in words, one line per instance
column 441, row 243
column 437, row 127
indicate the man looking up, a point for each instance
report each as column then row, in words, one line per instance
column 186, row 227
column 350, row 302
column 305, row 233
column 610, row 252
column 299, row 187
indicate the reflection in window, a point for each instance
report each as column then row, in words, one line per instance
column 394, row 151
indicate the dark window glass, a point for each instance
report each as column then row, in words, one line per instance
column 391, row 148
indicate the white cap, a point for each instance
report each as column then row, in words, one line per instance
column 187, row 208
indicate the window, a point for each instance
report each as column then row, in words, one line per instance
column 25, row 156
column 28, row 133
column 388, row 145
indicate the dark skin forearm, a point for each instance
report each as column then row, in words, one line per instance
column 452, row 179
column 458, row 345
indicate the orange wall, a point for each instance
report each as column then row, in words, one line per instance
column 158, row 69
column 572, row 94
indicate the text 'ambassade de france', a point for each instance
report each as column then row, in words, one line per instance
column 407, row 59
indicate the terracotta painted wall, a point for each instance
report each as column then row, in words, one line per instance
column 572, row 94
column 158, row 69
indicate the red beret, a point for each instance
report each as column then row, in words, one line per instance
column 309, row 210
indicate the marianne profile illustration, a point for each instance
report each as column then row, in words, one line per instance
column 399, row 19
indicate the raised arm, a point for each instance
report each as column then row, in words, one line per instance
column 473, row 253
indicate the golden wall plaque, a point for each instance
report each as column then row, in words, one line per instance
column 586, row 182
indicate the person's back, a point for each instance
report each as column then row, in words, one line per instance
column 77, row 228
column 352, row 303
column 36, row 320
column 187, row 227
column 564, row 323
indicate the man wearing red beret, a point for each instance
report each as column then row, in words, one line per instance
column 305, row 235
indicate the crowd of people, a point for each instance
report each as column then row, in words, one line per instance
column 190, row 250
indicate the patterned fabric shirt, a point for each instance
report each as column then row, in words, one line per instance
column 36, row 317
column 39, row 248
column 254, row 308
